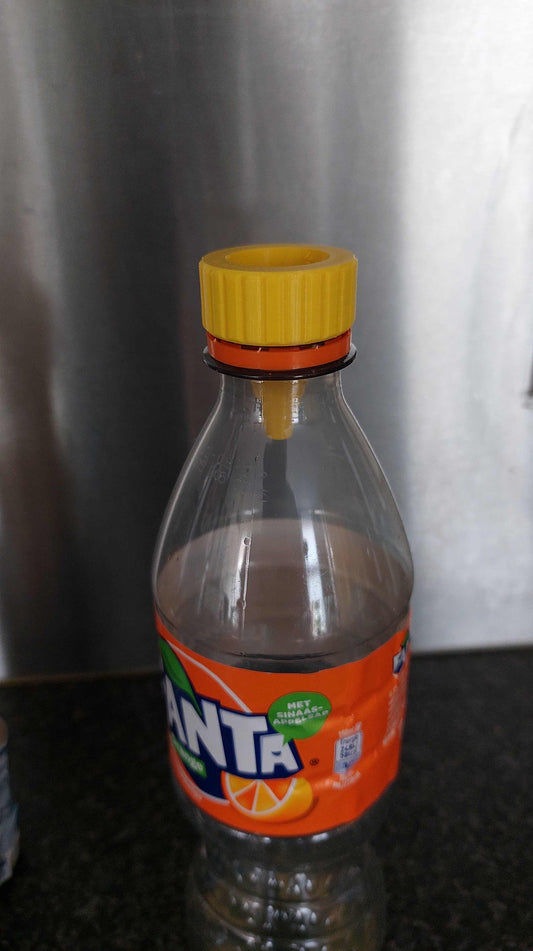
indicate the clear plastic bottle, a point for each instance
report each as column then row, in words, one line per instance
column 282, row 578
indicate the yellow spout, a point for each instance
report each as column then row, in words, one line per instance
column 280, row 401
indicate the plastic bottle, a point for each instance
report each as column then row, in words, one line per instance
column 282, row 579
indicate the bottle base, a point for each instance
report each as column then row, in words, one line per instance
column 235, row 906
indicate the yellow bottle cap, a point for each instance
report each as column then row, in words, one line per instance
column 278, row 295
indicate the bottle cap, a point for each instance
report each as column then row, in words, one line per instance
column 261, row 302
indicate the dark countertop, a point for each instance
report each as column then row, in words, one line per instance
column 104, row 850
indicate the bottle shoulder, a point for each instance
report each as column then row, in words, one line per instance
column 290, row 548
column 284, row 589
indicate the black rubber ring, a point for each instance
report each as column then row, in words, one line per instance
column 303, row 373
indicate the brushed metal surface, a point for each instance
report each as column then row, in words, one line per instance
column 134, row 137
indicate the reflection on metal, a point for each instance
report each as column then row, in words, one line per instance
column 134, row 137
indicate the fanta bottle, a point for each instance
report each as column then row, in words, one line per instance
column 282, row 579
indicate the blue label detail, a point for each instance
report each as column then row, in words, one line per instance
column 348, row 751
column 399, row 659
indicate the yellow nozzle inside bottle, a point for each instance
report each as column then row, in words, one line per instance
column 279, row 402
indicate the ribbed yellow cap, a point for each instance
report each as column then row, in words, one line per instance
column 278, row 295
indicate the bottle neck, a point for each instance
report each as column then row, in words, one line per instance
column 279, row 405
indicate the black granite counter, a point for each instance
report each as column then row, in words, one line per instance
column 104, row 850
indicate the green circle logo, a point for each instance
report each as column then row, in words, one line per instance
column 299, row 715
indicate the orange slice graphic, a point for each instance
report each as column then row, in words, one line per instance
column 269, row 800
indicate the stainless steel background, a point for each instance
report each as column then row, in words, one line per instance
column 136, row 136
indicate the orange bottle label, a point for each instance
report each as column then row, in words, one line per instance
column 285, row 754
